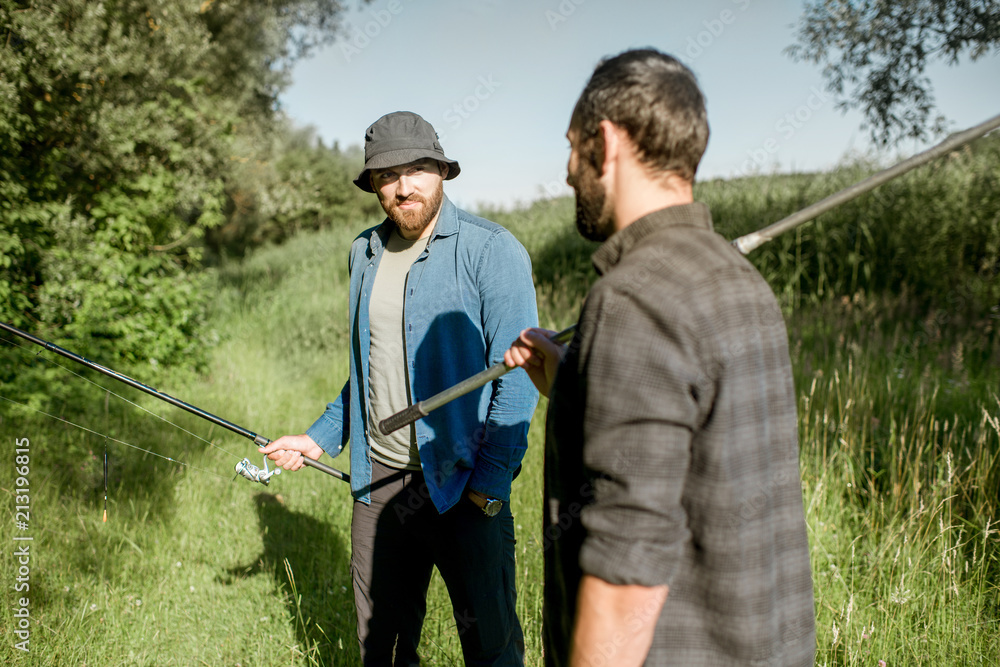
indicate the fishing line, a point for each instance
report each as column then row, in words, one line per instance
column 38, row 355
column 243, row 468
column 108, row 437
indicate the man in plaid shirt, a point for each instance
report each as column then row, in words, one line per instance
column 674, row 527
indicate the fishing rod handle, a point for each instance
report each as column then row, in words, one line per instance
column 429, row 405
column 333, row 472
column 402, row 418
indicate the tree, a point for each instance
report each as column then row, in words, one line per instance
column 874, row 54
column 122, row 124
column 300, row 185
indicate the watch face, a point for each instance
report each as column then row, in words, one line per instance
column 493, row 507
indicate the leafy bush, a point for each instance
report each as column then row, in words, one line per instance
column 303, row 185
column 122, row 129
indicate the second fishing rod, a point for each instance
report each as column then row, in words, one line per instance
column 745, row 244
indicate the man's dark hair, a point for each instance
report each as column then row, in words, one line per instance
column 656, row 100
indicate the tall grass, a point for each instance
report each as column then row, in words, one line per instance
column 896, row 353
column 902, row 485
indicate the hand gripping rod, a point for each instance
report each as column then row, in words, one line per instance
column 744, row 244
column 428, row 405
column 259, row 440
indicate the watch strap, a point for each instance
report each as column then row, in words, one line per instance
column 484, row 503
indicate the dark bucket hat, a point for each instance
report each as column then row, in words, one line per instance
column 398, row 138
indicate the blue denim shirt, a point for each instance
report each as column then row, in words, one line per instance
column 468, row 296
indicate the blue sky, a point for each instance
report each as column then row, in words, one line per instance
column 498, row 80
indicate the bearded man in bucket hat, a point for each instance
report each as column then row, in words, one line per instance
column 436, row 295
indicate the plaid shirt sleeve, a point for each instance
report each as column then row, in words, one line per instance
column 641, row 410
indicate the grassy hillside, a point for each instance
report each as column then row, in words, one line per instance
column 891, row 308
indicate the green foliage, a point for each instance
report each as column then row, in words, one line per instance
column 300, row 184
column 898, row 420
column 323, row 179
column 874, row 53
column 900, row 446
column 932, row 234
column 123, row 127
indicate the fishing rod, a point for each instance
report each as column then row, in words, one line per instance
column 243, row 469
column 428, row 405
column 756, row 239
column 744, row 244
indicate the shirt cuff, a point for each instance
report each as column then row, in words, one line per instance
column 624, row 562
column 491, row 480
column 328, row 434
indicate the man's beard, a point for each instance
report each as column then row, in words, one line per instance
column 594, row 211
column 415, row 220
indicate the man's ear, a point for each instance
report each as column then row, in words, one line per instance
column 611, row 135
column 443, row 168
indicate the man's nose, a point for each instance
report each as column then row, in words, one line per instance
column 404, row 186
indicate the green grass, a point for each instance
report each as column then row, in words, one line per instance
column 901, row 488
column 898, row 424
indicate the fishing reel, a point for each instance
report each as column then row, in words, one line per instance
column 255, row 474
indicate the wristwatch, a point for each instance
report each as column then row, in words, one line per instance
column 490, row 506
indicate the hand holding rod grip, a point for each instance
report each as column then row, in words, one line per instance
column 429, row 405
column 261, row 441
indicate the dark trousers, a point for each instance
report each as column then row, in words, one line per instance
column 395, row 543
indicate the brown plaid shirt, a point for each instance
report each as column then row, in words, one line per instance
column 672, row 452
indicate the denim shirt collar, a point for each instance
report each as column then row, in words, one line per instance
column 446, row 225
